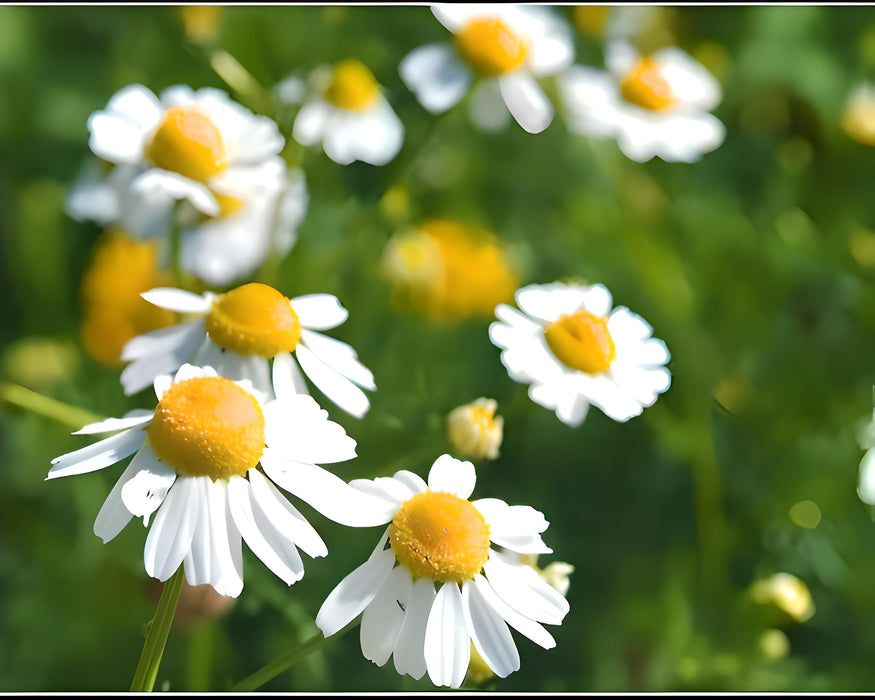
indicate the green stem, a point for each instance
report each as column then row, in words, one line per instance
column 283, row 663
column 153, row 649
column 73, row 416
column 241, row 81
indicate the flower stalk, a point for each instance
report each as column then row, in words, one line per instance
column 156, row 637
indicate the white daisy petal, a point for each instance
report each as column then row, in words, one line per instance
column 170, row 536
column 115, row 139
column 198, row 561
column 165, row 340
column 145, row 492
column 335, row 386
column 511, row 521
column 354, row 593
column 523, row 590
column 489, row 632
column 155, row 181
column 310, row 123
column 526, row 100
column 325, row 492
column 287, row 378
column 552, row 45
column 178, row 300
column 866, row 485
column 296, row 428
column 138, row 105
column 161, row 384
column 340, row 357
column 452, row 475
column 227, row 550
column 524, row 625
column 382, row 619
column 113, row 516
column 436, row 76
column 447, row 644
column 391, row 492
column 319, row 312
column 409, row 652
column 97, row 456
column 132, row 418
column 413, row 482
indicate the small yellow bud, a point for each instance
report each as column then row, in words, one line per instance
column 858, row 119
column 774, row 644
column 474, row 430
column 787, row 593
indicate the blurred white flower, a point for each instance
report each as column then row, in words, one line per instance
column 474, row 429
column 196, row 466
column 348, row 114
column 445, row 574
column 254, row 333
column 653, row 106
column 505, row 48
column 573, row 351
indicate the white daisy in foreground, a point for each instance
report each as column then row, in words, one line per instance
column 208, row 460
column 574, row 351
column 444, row 574
column 184, row 144
column 349, row 116
column 506, row 48
column 653, row 106
column 241, row 331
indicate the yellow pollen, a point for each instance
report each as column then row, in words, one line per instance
column 490, row 47
column 582, row 341
column 439, row 536
column 208, row 426
column 187, row 142
column 352, row 86
column 254, row 320
column 646, row 86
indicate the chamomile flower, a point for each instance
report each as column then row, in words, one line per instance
column 253, row 332
column 574, row 350
column 653, row 106
column 207, row 462
column 183, row 145
column 445, row 574
column 348, row 114
column 505, row 49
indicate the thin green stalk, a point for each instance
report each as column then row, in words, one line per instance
column 22, row 397
column 283, row 663
column 241, row 80
column 156, row 639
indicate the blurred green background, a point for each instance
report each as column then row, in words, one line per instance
column 755, row 266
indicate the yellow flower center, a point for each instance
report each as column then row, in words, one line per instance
column 254, row 320
column 208, row 426
column 646, row 86
column 352, row 86
column 187, row 142
column 582, row 341
column 440, row 536
column 490, row 47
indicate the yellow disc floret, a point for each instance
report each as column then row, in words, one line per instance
column 582, row 341
column 439, row 536
column 208, row 426
column 352, row 86
column 254, row 319
column 189, row 143
column 490, row 47
column 646, row 86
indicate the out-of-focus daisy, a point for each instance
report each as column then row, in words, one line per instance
column 201, row 22
column 207, row 462
column 858, row 118
column 449, row 270
column 574, row 350
column 186, row 144
column 653, row 106
column 446, row 573
column 113, row 311
column 253, row 332
column 260, row 209
column 506, row 48
column 474, row 429
column 348, row 114
column 786, row 592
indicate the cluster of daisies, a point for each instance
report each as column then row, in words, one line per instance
column 236, row 431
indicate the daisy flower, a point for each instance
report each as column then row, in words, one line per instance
column 505, row 48
column 253, row 332
column 858, row 116
column 207, row 462
column 183, row 144
column 653, row 106
column 445, row 574
column 349, row 116
column 573, row 351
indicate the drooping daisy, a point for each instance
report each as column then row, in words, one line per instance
column 505, row 48
column 445, row 574
column 207, row 462
column 653, row 106
column 573, row 351
column 348, row 114
column 241, row 331
column 184, row 144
